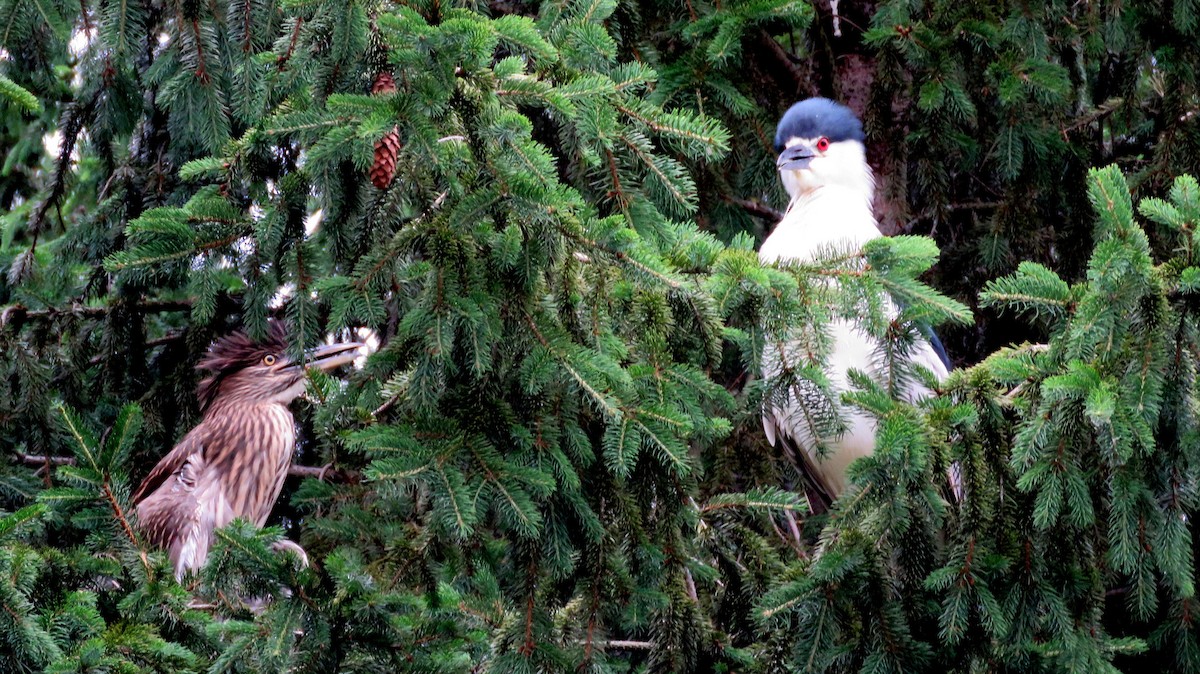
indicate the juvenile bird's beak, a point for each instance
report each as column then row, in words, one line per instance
column 330, row 356
column 795, row 158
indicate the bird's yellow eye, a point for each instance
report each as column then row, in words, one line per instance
column 822, row 144
column 268, row 359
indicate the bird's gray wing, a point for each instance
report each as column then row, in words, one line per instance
column 170, row 464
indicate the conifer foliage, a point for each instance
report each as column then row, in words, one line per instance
column 543, row 213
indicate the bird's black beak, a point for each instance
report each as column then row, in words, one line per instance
column 330, row 356
column 794, row 158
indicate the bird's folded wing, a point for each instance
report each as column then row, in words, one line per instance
column 170, row 464
column 182, row 514
column 799, row 456
column 203, row 508
column 935, row 343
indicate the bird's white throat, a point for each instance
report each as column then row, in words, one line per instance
column 831, row 206
column 844, row 165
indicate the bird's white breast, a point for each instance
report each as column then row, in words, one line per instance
column 277, row 456
column 831, row 218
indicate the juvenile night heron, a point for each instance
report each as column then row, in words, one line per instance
column 823, row 165
column 234, row 462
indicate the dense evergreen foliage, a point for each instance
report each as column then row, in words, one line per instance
column 547, row 215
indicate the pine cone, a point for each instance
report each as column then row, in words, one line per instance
column 384, row 84
column 387, row 150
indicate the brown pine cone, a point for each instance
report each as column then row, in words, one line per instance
column 387, row 150
column 384, row 84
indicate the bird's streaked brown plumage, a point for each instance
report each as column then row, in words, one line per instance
column 234, row 462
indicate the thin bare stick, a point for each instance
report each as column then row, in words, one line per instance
column 323, row 473
column 691, row 584
column 630, row 645
column 39, row 460
column 15, row 312
column 757, row 209
column 169, row 338
column 795, row 530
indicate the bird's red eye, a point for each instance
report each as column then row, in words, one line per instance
column 822, row 144
column 268, row 360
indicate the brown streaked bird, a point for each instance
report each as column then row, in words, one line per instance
column 234, row 462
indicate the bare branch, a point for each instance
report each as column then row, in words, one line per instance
column 326, row 473
column 40, row 460
column 169, row 338
column 757, row 209
column 785, row 60
column 625, row 645
column 1094, row 115
column 15, row 313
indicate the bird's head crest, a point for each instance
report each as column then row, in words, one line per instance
column 256, row 371
column 235, row 352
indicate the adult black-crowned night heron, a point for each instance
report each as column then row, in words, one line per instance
column 234, row 462
column 823, row 165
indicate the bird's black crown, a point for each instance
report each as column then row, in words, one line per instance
column 816, row 117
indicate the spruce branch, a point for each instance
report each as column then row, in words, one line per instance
column 74, row 118
column 100, row 472
column 326, row 473
column 653, row 163
column 616, row 192
column 610, row 410
column 87, row 22
column 397, row 242
column 126, row 259
column 35, row 460
column 201, row 71
column 19, row 95
column 283, row 59
column 622, row 257
column 126, row 528
column 674, row 125
column 756, row 499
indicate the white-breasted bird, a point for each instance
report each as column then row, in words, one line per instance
column 823, row 165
